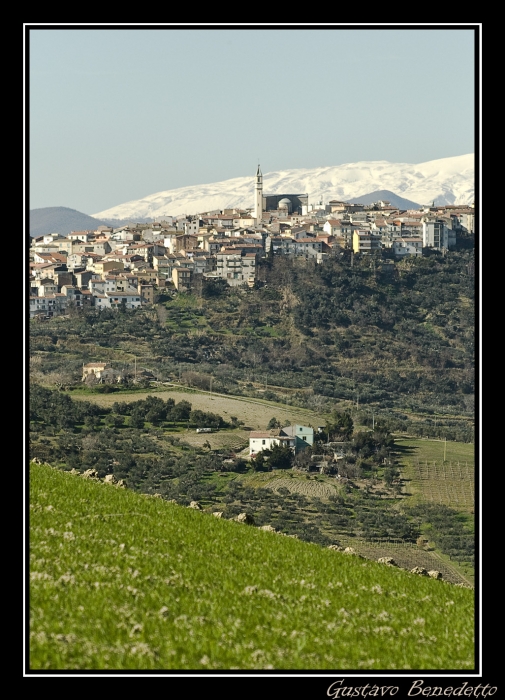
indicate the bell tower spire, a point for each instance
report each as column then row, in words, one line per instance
column 258, row 196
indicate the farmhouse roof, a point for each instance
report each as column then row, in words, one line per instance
column 264, row 434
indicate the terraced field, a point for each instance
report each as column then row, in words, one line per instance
column 307, row 487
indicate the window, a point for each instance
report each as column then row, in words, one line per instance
column 263, row 442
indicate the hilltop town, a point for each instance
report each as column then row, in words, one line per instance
column 131, row 265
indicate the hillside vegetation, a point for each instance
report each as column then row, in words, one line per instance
column 120, row 580
column 318, row 336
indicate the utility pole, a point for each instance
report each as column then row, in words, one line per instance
column 373, row 421
column 445, row 448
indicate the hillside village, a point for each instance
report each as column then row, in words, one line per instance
column 131, row 265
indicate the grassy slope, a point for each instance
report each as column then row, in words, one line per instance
column 120, row 580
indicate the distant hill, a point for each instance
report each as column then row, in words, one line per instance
column 386, row 195
column 61, row 220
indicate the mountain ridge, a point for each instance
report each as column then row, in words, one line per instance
column 444, row 181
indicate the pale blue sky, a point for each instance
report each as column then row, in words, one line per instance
column 118, row 114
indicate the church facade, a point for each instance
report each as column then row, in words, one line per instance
column 284, row 203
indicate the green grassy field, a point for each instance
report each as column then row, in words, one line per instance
column 421, row 450
column 124, row 581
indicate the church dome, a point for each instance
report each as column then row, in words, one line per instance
column 284, row 203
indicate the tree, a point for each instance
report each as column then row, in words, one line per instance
column 340, row 426
column 280, row 457
column 259, row 463
column 390, row 474
column 136, row 419
column 273, row 423
column 303, row 459
column 181, row 411
column 212, row 288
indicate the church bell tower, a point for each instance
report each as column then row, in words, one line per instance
column 258, row 197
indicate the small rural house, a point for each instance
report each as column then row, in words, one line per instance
column 296, row 437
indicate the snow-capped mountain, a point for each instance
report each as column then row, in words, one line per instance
column 445, row 181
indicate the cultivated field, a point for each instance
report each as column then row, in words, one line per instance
column 450, row 484
column 307, row 487
column 254, row 413
column 431, row 479
column 235, row 440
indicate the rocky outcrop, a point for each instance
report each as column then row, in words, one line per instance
column 389, row 561
column 267, row 528
column 218, row 514
column 419, row 571
column 245, row 518
column 195, row 505
column 90, row 474
column 435, row 574
column 351, row 550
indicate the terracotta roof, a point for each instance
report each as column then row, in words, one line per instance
column 270, row 433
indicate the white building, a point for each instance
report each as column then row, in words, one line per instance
column 265, row 440
column 435, row 235
column 49, row 305
column 296, row 437
column 407, row 246
column 114, row 300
